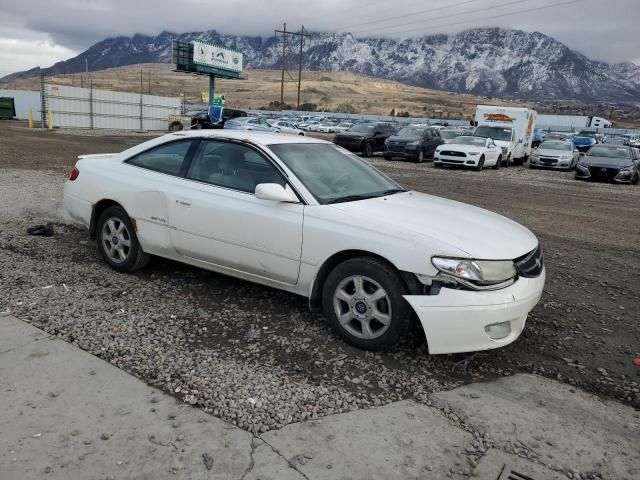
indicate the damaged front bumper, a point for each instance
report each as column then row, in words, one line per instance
column 465, row 321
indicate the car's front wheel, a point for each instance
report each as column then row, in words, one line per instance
column 117, row 241
column 420, row 156
column 367, row 149
column 498, row 163
column 362, row 299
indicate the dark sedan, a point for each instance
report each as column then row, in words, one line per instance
column 611, row 163
column 414, row 143
column 365, row 138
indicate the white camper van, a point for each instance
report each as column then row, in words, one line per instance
column 511, row 128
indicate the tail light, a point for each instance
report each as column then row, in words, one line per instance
column 74, row 174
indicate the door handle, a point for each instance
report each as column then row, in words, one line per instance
column 183, row 202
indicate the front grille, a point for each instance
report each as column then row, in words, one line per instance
column 448, row 160
column 530, row 265
column 451, row 153
column 602, row 173
column 548, row 160
column 396, row 148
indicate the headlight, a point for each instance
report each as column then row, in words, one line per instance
column 565, row 156
column 482, row 272
column 412, row 144
column 535, row 154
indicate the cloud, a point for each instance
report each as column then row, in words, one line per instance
column 604, row 31
column 16, row 55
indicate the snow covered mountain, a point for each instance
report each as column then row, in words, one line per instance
column 484, row 61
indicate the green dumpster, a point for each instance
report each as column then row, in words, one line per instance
column 7, row 108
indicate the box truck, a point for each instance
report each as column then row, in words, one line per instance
column 511, row 128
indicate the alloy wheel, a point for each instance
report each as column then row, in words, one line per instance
column 362, row 307
column 116, row 240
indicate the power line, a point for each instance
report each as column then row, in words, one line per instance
column 412, row 14
column 501, row 5
column 543, row 7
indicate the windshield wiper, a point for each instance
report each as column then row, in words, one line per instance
column 353, row 198
column 391, row 191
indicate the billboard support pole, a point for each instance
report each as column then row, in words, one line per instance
column 212, row 89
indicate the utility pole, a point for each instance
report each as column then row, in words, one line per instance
column 86, row 65
column 284, row 53
column 300, row 66
column 284, row 33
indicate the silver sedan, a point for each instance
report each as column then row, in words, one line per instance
column 556, row 154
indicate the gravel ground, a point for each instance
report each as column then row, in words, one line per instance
column 258, row 358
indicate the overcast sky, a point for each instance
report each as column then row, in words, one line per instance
column 42, row 32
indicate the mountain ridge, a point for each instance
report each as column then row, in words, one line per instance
column 492, row 62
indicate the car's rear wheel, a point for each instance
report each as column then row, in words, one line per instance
column 498, row 162
column 362, row 299
column 117, row 241
column 367, row 149
column 198, row 126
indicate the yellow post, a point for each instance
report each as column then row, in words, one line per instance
column 30, row 118
column 50, row 119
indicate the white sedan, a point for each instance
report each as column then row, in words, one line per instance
column 287, row 127
column 306, row 216
column 469, row 151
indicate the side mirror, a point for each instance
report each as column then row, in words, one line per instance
column 275, row 192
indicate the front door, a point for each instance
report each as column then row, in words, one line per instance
column 216, row 218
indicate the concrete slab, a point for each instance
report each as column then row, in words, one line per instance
column 67, row 414
column 403, row 440
column 497, row 465
column 560, row 426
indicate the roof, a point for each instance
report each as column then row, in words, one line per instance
column 260, row 138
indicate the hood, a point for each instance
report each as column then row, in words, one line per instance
column 606, row 162
column 479, row 233
column 399, row 139
column 552, row 153
column 352, row 135
column 502, row 143
column 462, row 148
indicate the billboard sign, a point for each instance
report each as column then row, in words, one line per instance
column 217, row 56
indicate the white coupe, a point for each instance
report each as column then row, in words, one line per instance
column 469, row 151
column 306, row 216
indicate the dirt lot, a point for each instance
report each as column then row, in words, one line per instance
column 258, row 357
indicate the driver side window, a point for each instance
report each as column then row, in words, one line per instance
column 232, row 165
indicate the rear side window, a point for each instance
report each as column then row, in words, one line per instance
column 167, row 158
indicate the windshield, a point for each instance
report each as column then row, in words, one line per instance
column 366, row 129
column 448, row 134
column 333, row 174
column 479, row 141
column 586, row 134
column 609, row 152
column 411, row 132
column 496, row 133
column 555, row 146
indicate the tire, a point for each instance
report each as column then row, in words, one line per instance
column 175, row 127
column 367, row 150
column 506, row 164
column 301, row 134
column 480, row 164
column 341, row 294
column 111, row 244
column 635, row 180
column 198, row 126
column 420, row 156
column 498, row 162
